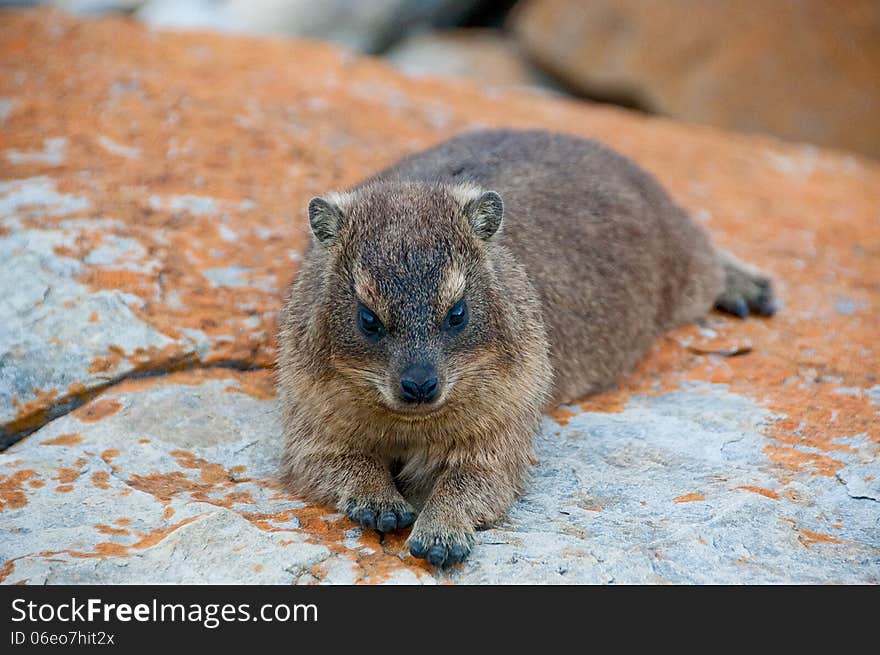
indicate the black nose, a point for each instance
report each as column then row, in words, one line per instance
column 418, row 383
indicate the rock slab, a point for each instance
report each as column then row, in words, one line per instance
column 803, row 70
column 484, row 56
column 152, row 209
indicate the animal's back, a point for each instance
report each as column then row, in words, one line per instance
column 614, row 261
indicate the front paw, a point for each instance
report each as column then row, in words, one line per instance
column 441, row 547
column 380, row 515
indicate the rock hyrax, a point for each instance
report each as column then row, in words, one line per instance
column 448, row 300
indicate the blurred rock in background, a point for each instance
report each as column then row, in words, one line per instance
column 806, row 70
column 484, row 55
column 369, row 26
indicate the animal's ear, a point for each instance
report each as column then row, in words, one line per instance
column 485, row 213
column 325, row 219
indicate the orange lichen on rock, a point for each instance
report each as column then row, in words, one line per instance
column 102, row 549
column 155, row 536
column 67, row 439
column 609, row 402
column 798, row 460
column 105, row 549
column 213, row 480
column 101, row 479
column 237, row 497
column 97, row 409
column 270, row 521
column 561, row 415
column 12, row 494
column 391, row 554
column 7, row 569
column 138, row 284
column 32, row 413
column 259, row 385
column 761, row 491
column 107, row 529
column 114, row 549
column 328, row 529
column 253, row 383
column 165, row 485
column 109, row 362
column 168, row 358
column 808, row 538
column 384, row 554
column 689, row 498
column 210, row 473
column 66, row 475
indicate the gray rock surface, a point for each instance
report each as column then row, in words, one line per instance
column 675, row 488
column 179, row 484
column 61, row 337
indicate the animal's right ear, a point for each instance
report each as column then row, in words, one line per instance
column 325, row 219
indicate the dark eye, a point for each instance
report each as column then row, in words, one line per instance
column 370, row 324
column 457, row 317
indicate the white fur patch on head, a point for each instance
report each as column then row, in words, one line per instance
column 484, row 209
column 452, row 286
column 466, row 192
column 366, row 290
column 341, row 199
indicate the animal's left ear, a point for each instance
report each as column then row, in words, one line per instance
column 485, row 214
column 325, row 219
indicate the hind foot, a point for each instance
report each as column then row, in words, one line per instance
column 745, row 290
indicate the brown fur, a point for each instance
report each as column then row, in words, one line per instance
column 592, row 262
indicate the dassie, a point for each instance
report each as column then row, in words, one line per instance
column 447, row 301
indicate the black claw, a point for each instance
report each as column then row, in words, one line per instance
column 457, row 554
column 367, row 518
column 383, row 520
column 437, row 555
column 765, row 305
column 405, row 519
column 417, row 548
column 736, row 307
column 387, row 522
